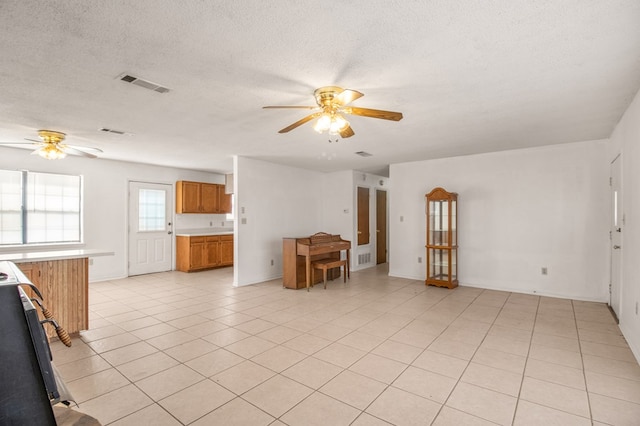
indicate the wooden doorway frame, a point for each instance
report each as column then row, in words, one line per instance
column 381, row 226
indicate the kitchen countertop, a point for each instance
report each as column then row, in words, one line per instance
column 203, row 232
column 42, row 256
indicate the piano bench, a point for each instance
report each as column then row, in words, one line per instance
column 326, row 264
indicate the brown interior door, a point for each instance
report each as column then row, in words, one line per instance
column 363, row 216
column 381, row 226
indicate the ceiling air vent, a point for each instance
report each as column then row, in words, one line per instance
column 363, row 154
column 117, row 132
column 143, row 83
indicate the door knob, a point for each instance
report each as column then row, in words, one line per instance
column 616, row 247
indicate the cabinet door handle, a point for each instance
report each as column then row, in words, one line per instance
column 169, row 232
column 616, row 247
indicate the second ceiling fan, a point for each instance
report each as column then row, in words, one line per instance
column 333, row 103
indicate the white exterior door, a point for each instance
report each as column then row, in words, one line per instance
column 150, row 227
column 617, row 222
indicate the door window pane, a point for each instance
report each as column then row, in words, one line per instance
column 152, row 210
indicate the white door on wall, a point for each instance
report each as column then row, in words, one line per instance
column 617, row 222
column 150, row 227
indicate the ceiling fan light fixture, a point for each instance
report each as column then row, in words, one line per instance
column 51, row 152
column 323, row 124
column 332, row 123
column 338, row 124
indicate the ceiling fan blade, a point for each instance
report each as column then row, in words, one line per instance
column 374, row 113
column 18, row 143
column 84, row 148
column 347, row 133
column 74, row 151
column 347, row 96
column 289, row 106
column 300, row 122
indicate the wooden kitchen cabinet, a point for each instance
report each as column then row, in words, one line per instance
column 201, row 197
column 226, row 250
column 224, row 200
column 194, row 253
column 209, row 201
column 212, row 251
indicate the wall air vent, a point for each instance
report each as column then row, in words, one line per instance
column 364, row 258
column 143, row 83
column 363, row 154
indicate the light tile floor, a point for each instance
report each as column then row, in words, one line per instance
column 189, row 349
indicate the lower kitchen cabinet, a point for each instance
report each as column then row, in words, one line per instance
column 194, row 253
column 226, row 250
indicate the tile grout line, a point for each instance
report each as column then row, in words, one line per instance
column 584, row 371
column 458, row 381
column 526, row 361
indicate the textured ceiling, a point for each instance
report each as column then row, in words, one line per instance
column 469, row 76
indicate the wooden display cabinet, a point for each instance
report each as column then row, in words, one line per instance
column 442, row 238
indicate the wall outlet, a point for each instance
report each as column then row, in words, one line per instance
column 91, row 263
column 419, row 260
column 210, row 223
column 243, row 221
column 543, row 270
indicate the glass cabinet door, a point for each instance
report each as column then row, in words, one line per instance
column 438, row 223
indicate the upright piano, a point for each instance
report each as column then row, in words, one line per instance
column 298, row 253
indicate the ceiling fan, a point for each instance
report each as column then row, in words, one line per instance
column 52, row 146
column 333, row 102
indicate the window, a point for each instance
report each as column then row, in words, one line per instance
column 151, row 216
column 37, row 208
column 230, row 215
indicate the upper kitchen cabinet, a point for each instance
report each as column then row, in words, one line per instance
column 224, row 200
column 201, row 197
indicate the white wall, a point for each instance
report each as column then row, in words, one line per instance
column 337, row 208
column 277, row 201
column 519, row 211
column 105, row 201
column 626, row 141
